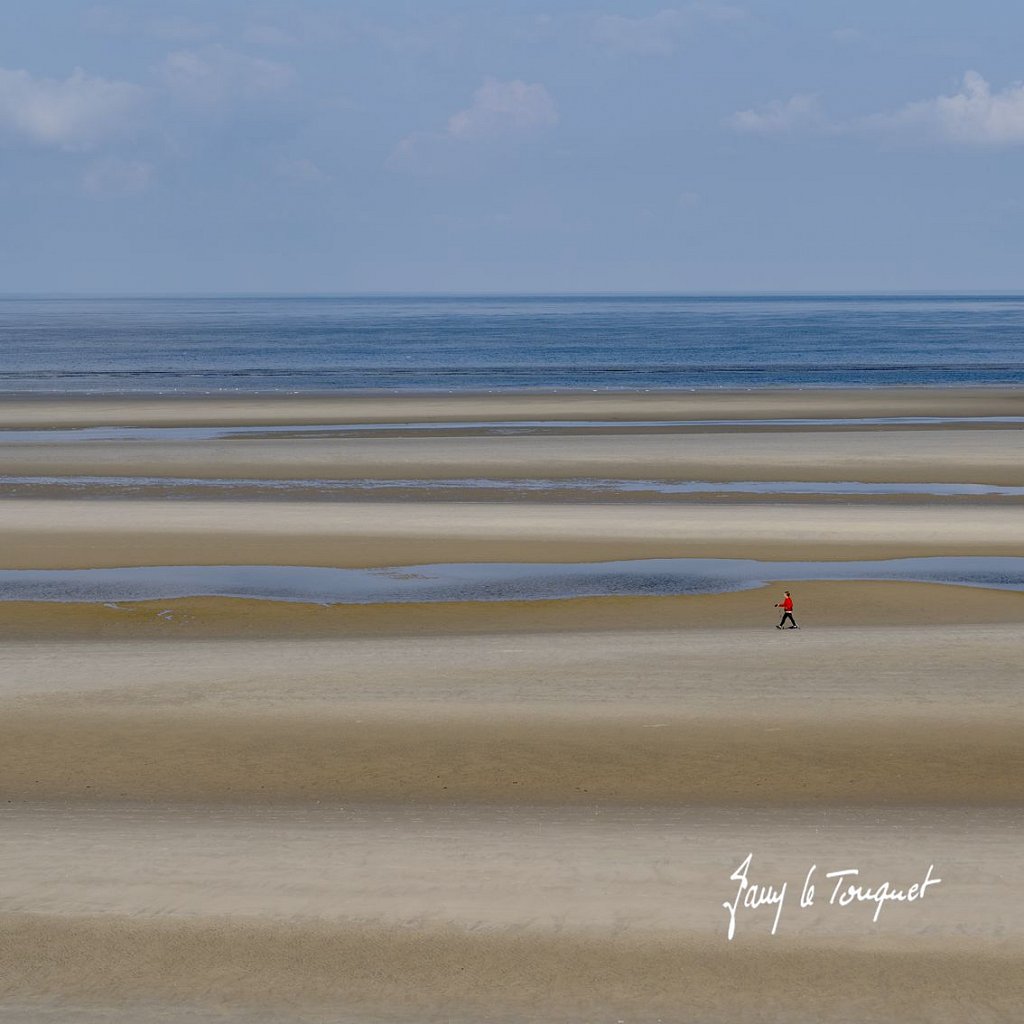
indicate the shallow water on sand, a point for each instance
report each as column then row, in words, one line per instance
column 63, row 435
column 135, row 484
column 498, row 581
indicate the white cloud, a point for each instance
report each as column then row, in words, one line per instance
column 410, row 153
column 214, row 76
column 798, row 113
column 657, row 35
column 510, row 111
column 504, row 108
column 113, row 176
column 973, row 116
column 75, row 113
column 302, row 170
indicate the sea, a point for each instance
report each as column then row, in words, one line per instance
column 316, row 344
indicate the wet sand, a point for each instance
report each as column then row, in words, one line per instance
column 84, row 534
column 521, row 810
column 516, row 756
column 549, row 914
column 235, row 968
column 845, row 716
column 981, row 456
column 211, row 618
column 49, row 411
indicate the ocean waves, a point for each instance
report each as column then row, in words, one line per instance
column 312, row 344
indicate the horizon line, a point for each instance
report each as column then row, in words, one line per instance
column 725, row 294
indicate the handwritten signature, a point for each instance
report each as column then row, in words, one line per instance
column 845, row 892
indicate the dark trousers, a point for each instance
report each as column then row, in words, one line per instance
column 787, row 615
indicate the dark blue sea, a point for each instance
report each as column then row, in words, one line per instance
column 311, row 344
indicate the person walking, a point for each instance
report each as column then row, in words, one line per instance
column 786, row 604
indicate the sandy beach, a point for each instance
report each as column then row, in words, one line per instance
column 97, row 533
column 45, row 412
column 909, row 456
column 514, row 810
column 872, row 717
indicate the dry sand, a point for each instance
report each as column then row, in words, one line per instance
column 236, row 810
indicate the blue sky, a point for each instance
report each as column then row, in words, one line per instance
column 311, row 146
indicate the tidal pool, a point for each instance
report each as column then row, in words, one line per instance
column 578, row 484
column 494, row 581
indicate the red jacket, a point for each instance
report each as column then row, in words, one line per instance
column 787, row 604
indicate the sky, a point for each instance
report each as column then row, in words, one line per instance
column 306, row 146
